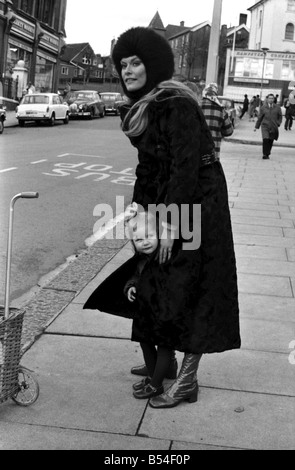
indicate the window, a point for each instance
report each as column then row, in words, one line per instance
column 65, row 70
column 289, row 32
column 291, row 5
column 47, row 14
column 252, row 68
column 288, row 70
column 27, row 6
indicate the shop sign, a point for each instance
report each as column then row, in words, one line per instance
column 20, row 45
column 49, row 41
column 46, row 57
column 23, row 28
column 269, row 55
column 249, row 54
column 250, row 80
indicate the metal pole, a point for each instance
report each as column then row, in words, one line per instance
column 28, row 195
column 212, row 62
column 264, row 50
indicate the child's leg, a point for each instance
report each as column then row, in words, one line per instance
column 164, row 358
column 150, row 357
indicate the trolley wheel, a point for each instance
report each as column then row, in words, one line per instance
column 28, row 388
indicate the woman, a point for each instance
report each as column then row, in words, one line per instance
column 186, row 299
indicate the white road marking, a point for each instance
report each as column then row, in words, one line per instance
column 39, row 161
column 7, row 169
column 78, row 155
column 102, row 232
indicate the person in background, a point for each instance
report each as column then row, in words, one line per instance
column 252, row 107
column 216, row 116
column 30, row 88
column 270, row 119
column 289, row 113
column 245, row 106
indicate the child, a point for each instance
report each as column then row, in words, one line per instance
column 143, row 233
column 142, row 230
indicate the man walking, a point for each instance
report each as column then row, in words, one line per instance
column 245, row 106
column 270, row 119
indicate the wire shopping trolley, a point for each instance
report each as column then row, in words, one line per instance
column 16, row 382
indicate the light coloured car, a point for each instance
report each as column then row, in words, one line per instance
column 38, row 107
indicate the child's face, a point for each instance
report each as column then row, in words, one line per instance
column 145, row 239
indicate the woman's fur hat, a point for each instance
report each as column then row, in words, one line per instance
column 154, row 51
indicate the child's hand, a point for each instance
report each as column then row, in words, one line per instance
column 131, row 295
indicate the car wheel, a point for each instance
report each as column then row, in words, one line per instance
column 52, row 120
column 103, row 113
column 21, row 123
column 67, row 118
column 1, row 126
column 92, row 114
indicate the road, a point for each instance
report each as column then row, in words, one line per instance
column 74, row 168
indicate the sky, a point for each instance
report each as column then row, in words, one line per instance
column 98, row 22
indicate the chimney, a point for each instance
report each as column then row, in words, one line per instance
column 182, row 23
column 243, row 19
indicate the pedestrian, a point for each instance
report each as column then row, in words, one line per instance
column 245, row 106
column 216, row 116
column 187, row 299
column 252, row 107
column 289, row 113
column 30, row 88
column 270, row 118
column 276, row 99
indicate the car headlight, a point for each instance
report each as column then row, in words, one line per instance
column 81, row 107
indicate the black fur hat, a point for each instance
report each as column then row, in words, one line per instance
column 154, row 51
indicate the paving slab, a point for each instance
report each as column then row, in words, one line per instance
column 272, row 308
column 250, row 371
column 257, row 230
column 15, row 437
column 264, row 285
column 266, row 266
column 75, row 321
column 264, row 252
column 238, row 217
column 264, row 335
column 289, row 233
column 261, row 240
column 85, row 384
column 267, row 422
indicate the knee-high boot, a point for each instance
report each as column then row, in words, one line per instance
column 185, row 386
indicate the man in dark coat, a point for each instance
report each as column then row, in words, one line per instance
column 245, row 106
column 270, row 119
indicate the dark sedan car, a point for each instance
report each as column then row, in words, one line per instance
column 86, row 103
column 112, row 101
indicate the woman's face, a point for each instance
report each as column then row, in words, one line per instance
column 133, row 73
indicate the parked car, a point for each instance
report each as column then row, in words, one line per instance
column 86, row 103
column 112, row 102
column 2, row 118
column 229, row 106
column 38, row 107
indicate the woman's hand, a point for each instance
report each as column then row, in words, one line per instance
column 166, row 245
column 131, row 294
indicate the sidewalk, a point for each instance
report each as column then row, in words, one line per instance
column 247, row 397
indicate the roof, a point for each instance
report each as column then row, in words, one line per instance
column 173, row 30
column 156, row 22
column 232, row 29
column 70, row 51
column 257, row 4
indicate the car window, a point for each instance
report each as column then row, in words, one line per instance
column 36, row 99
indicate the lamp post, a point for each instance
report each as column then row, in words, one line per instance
column 264, row 50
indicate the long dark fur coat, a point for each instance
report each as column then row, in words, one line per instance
column 190, row 303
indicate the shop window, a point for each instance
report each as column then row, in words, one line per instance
column 288, row 70
column 289, row 32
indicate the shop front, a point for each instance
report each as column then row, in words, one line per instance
column 254, row 72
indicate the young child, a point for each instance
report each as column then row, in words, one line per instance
column 142, row 231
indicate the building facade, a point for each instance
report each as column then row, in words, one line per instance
column 31, row 33
column 268, row 66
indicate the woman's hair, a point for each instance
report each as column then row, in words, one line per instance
column 136, row 120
